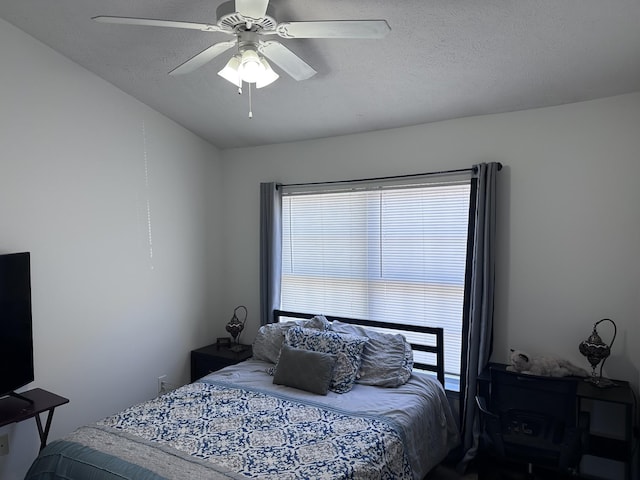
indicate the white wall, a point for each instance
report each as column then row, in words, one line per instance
column 92, row 182
column 569, row 216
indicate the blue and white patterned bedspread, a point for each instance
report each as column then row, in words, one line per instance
column 268, row 437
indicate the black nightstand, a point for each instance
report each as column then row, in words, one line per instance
column 214, row 357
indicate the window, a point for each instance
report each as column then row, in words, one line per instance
column 380, row 252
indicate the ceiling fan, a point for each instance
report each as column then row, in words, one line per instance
column 250, row 21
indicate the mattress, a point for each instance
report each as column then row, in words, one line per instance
column 235, row 423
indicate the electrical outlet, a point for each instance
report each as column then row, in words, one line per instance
column 4, row 444
column 162, row 379
column 166, row 386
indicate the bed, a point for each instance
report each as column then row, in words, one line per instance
column 256, row 420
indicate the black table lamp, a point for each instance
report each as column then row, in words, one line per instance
column 597, row 352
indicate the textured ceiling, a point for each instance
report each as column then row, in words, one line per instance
column 442, row 59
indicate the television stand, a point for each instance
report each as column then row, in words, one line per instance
column 13, row 409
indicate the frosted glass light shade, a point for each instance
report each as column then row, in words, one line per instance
column 250, row 66
column 231, row 71
column 268, row 76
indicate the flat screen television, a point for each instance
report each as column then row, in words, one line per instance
column 16, row 339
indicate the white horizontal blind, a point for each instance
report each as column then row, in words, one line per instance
column 393, row 253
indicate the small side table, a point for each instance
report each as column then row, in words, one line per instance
column 214, row 357
column 13, row 410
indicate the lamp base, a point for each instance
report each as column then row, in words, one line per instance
column 238, row 348
column 601, row 382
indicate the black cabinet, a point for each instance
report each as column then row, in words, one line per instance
column 609, row 414
column 214, row 357
column 610, row 446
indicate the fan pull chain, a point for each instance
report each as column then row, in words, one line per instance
column 250, row 110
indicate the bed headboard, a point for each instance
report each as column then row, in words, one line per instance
column 422, row 339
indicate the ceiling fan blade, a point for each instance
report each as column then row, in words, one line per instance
column 287, row 60
column 203, row 57
column 252, row 9
column 157, row 23
column 334, row 29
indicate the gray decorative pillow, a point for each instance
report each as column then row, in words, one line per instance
column 268, row 341
column 304, row 369
column 346, row 348
column 387, row 359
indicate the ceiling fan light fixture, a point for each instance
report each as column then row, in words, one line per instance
column 268, row 76
column 231, row 72
column 251, row 68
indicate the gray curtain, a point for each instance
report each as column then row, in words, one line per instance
column 480, row 331
column 270, row 250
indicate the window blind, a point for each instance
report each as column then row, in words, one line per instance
column 380, row 251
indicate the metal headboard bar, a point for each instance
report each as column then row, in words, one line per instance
column 437, row 332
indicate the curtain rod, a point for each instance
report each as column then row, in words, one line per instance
column 393, row 177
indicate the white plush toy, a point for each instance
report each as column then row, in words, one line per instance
column 544, row 366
